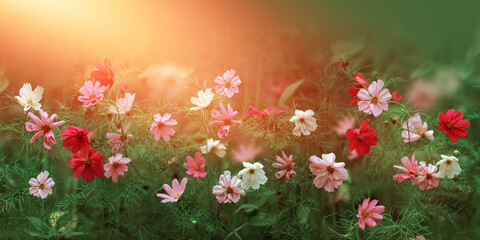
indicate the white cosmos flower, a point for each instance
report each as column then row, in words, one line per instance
column 304, row 122
column 203, row 100
column 252, row 175
column 29, row 98
column 448, row 166
column 123, row 104
column 214, row 146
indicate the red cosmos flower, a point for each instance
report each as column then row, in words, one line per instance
column 362, row 138
column 354, row 89
column 396, row 96
column 87, row 164
column 453, row 124
column 104, row 74
column 76, row 138
column 265, row 112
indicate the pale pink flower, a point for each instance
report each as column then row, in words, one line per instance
column 415, row 129
column 91, row 93
column 419, row 237
column 369, row 212
column 161, row 126
column 246, row 153
column 353, row 155
column 43, row 126
column 329, row 173
column 228, row 84
column 374, row 101
column 427, row 176
column 119, row 140
column 116, row 167
column 123, row 105
column 343, row 125
column 288, row 166
column 41, row 186
column 196, row 167
column 410, row 171
column 225, row 119
column 422, row 95
column 229, row 189
column 174, row 192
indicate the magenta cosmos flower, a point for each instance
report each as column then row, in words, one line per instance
column 229, row 189
column 415, row 129
column 287, row 164
column 453, row 124
column 91, row 93
column 119, row 140
column 196, row 167
column 228, row 84
column 225, row 119
column 174, row 192
column 375, row 99
column 427, row 176
column 410, row 172
column 246, row 153
column 329, row 173
column 369, row 212
column 41, row 186
column 116, row 167
column 77, row 138
column 161, row 126
column 43, row 126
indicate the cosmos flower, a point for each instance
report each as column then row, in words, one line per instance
column 203, row 100
column 29, row 98
column 415, row 129
column 448, row 166
column 214, row 146
column 104, row 74
column 410, row 172
column 76, row 138
column 278, row 86
column 91, row 93
column 305, row 123
column 422, row 95
column 375, row 99
column 245, row 153
column 116, row 167
column 427, row 177
column 453, row 124
column 353, row 155
column 161, row 126
column 354, row 89
column 266, row 112
column 225, row 119
column 196, row 167
column 362, row 138
column 252, row 175
column 396, row 96
column 229, row 189
column 344, row 124
column 123, row 105
column 41, row 186
column 329, row 174
column 87, row 164
column 174, row 192
column 228, row 84
column 369, row 213
column 43, row 126
column 285, row 163
column 119, row 140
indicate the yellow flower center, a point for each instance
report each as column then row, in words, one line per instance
column 92, row 96
column 30, row 102
column 420, row 132
column 175, row 196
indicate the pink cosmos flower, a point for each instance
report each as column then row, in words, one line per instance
column 104, row 74
column 245, row 153
column 427, row 176
column 368, row 213
column 43, row 126
column 410, row 171
column 415, row 129
column 422, row 95
column 265, row 112
column 91, row 93
column 161, row 126
column 119, row 140
column 174, row 192
column 196, row 167
column 116, row 167
column 225, row 119
column 353, row 155
column 329, row 173
column 344, row 124
column 228, row 84
column 229, row 189
column 41, row 186
column 375, row 99
column 288, row 166
column 419, row 237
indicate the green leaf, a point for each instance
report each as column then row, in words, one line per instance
column 38, row 224
column 71, row 234
column 247, row 207
column 288, row 92
column 37, row 234
column 63, row 220
column 262, row 220
column 302, row 214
